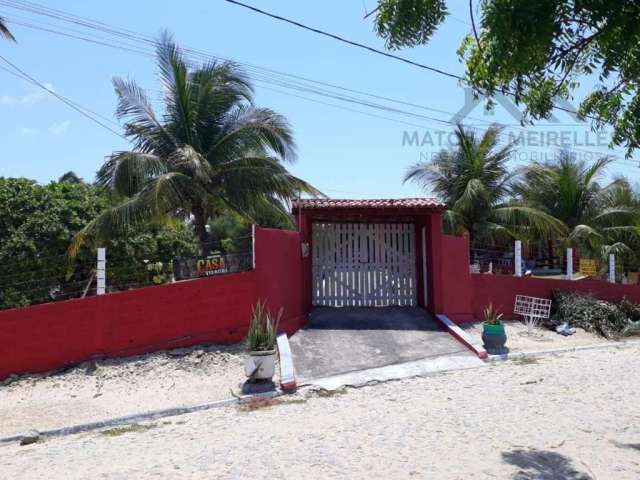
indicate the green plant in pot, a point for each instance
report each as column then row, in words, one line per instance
column 493, row 334
column 260, row 365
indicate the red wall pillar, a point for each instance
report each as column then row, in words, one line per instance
column 434, row 263
column 306, row 236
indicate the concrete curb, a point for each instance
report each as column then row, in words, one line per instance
column 462, row 336
column 556, row 351
column 398, row 371
column 141, row 417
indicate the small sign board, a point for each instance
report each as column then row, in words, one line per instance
column 588, row 267
column 212, row 265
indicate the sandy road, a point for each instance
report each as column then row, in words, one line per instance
column 564, row 417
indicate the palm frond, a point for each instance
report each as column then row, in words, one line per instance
column 158, row 198
column 250, row 128
column 127, row 172
column 142, row 125
column 5, row 32
column 529, row 219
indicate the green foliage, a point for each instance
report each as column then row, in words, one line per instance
column 263, row 329
column 611, row 320
column 600, row 219
column 209, row 151
column 409, row 22
column 37, row 222
column 230, row 232
column 491, row 315
column 473, row 179
column 539, row 50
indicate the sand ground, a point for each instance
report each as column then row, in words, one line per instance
column 572, row 416
column 110, row 388
column 519, row 340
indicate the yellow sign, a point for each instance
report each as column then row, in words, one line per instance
column 588, row 267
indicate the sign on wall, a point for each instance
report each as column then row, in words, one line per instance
column 212, row 265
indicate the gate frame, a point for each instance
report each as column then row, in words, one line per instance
column 424, row 213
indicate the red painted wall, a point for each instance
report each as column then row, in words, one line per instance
column 279, row 276
column 216, row 309
column 456, row 279
column 501, row 290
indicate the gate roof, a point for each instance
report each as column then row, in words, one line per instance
column 366, row 209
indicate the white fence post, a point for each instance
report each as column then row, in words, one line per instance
column 517, row 259
column 569, row 263
column 612, row 268
column 101, row 271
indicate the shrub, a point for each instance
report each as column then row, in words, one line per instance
column 263, row 329
column 491, row 315
column 608, row 319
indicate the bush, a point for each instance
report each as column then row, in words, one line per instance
column 608, row 319
column 263, row 329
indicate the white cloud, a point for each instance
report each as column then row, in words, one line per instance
column 59, row 128
column 28, row 131
column 28, row 99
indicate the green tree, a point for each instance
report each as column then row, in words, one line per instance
column 210, row 151
column 4, row 30
column 538, row 51
column 37, row 222
column 600, row 218
column 474, row 181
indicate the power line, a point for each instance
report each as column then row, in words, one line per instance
column 371, row 49
column 261, row 74
column 344, row 40
column 71, row 104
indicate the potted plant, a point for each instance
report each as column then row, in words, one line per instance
column 493, row 334
column 260, row 365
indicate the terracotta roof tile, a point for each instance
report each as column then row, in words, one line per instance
column 386, row 203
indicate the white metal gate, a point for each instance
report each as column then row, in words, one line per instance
column 358, row 264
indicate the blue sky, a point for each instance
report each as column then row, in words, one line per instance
column 344, row 153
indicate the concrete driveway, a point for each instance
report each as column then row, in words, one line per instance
column 341, row 340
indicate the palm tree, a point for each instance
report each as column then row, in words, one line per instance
column 599, row 218
column 4, row 30
column 473, row 179
column 209, row 151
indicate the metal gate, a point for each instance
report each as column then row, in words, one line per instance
column 359, row 264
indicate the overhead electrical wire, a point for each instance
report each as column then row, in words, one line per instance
column 60, row 97
column 366, row 47
column 261, row 74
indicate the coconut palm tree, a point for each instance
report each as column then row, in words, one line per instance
column 210, row 150
column 4, row 30
column 474, row 180
column 599, row 217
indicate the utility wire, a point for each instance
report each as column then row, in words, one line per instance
column 344, row 40
column 366, row 47
column 271, row 76
column 60, row 97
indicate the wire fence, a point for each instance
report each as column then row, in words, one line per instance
column 38, row 280
column 549, row 263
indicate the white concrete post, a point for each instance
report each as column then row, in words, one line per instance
column 612, row 268
column 517, row 259
column 569, row 263
column 101, row 271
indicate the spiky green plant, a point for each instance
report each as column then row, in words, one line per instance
column 491, row 315
column 263, row 328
